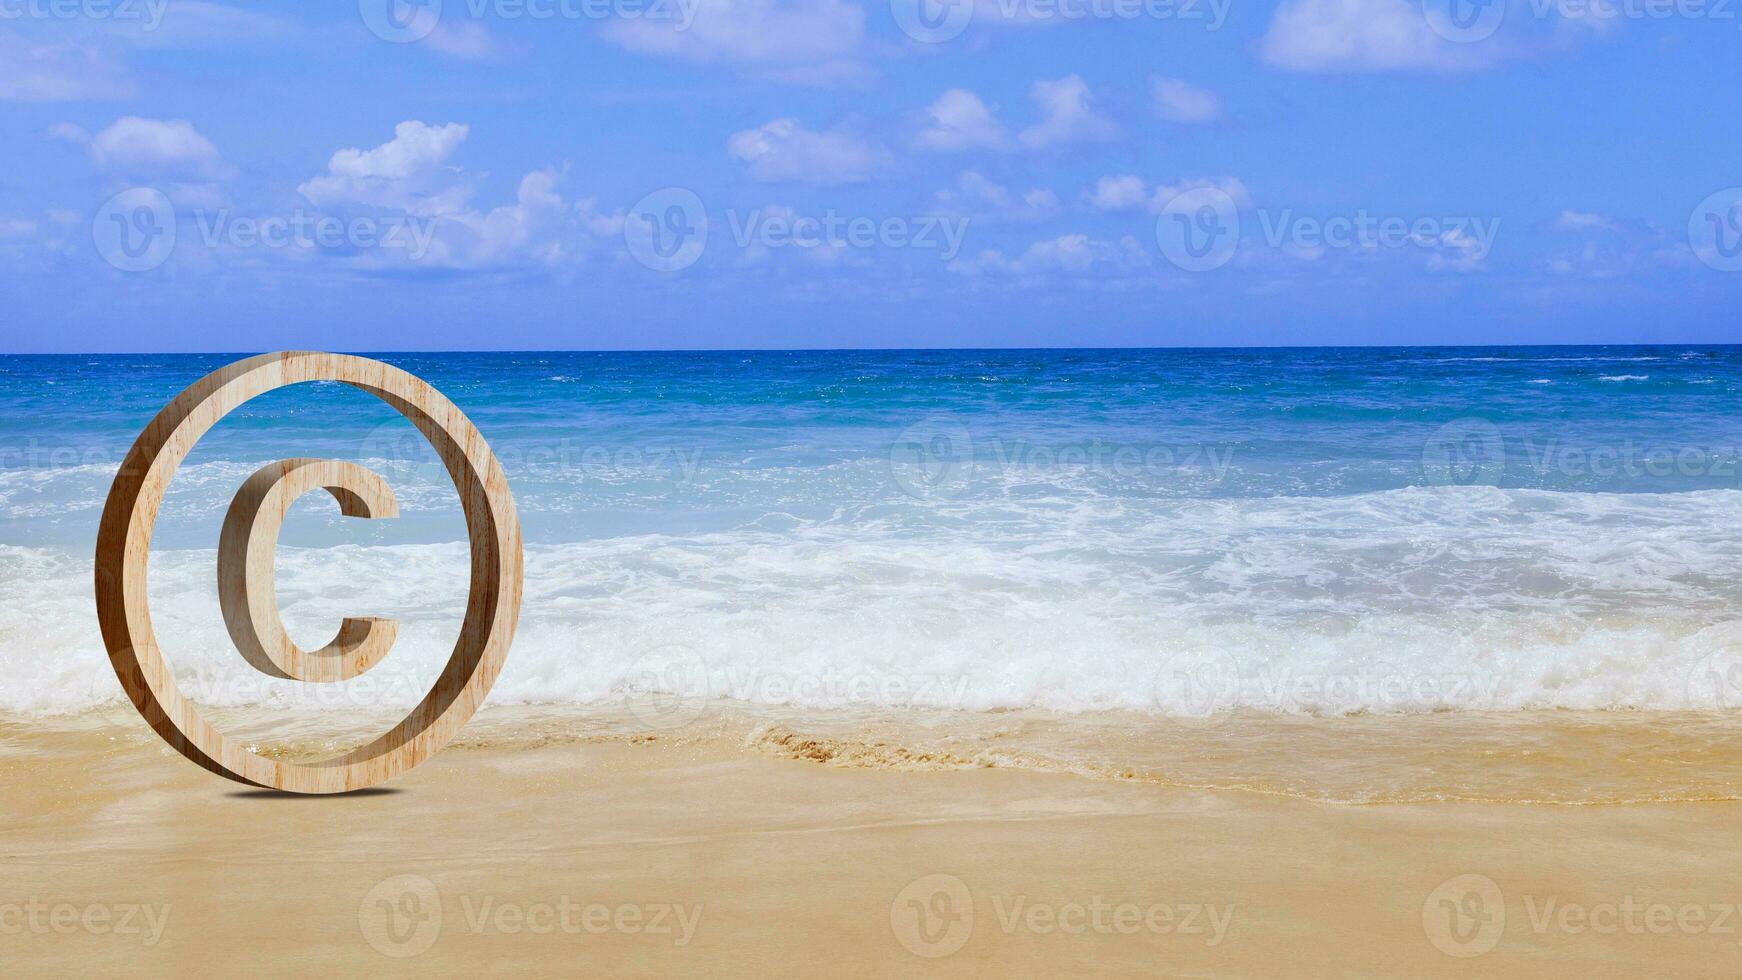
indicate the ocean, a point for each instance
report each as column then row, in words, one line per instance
column 1163, row 533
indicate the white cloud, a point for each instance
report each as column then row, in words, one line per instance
column 1581, row 221
column 1456, row 250
column 411, row 173
column 1123, row 193
column 597, row 223
column 1073, row 254
column 69, row 133
column 1363, row 35
column 1612, row 248
column 468, row 41
column 1128, row 192
column 1180, row 102
column 1594, row 262
column 58, row 72
column 783, row 150
column 1231, row 186
column 415, row 148
column 149, row 148
column 1067, row 252
column 530, row 228
column 170, row 154
column 976, row 196
column 1068, row 115
column 405, row 173
column 76, row 59
column 28, row 240
column 803, row 41
column 957, row 121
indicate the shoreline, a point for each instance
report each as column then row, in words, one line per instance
column 558, row 855
column 1546, row 757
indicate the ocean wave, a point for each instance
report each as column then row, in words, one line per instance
column 1402, row 601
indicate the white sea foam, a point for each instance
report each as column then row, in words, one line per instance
column 1401, row 600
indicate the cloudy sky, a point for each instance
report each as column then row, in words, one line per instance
column 477, row 174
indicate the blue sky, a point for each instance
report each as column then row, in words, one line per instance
column 478, row 174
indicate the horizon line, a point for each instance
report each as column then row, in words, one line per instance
column 850, row 350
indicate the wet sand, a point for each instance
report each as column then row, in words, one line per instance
column 770, row 851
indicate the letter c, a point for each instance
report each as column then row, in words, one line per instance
column 246, row 578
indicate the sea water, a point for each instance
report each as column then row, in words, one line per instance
column 1178, row 533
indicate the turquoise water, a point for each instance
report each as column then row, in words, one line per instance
column 1171, row 531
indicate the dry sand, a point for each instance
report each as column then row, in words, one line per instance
column 777, row 855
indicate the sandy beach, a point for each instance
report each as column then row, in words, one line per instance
column 839, row 693
column 737, row 846
column 870, row 488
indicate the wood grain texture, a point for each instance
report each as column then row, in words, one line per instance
column 247, row 580
column 124, row 542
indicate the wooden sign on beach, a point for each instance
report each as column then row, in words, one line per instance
column 245, row 572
